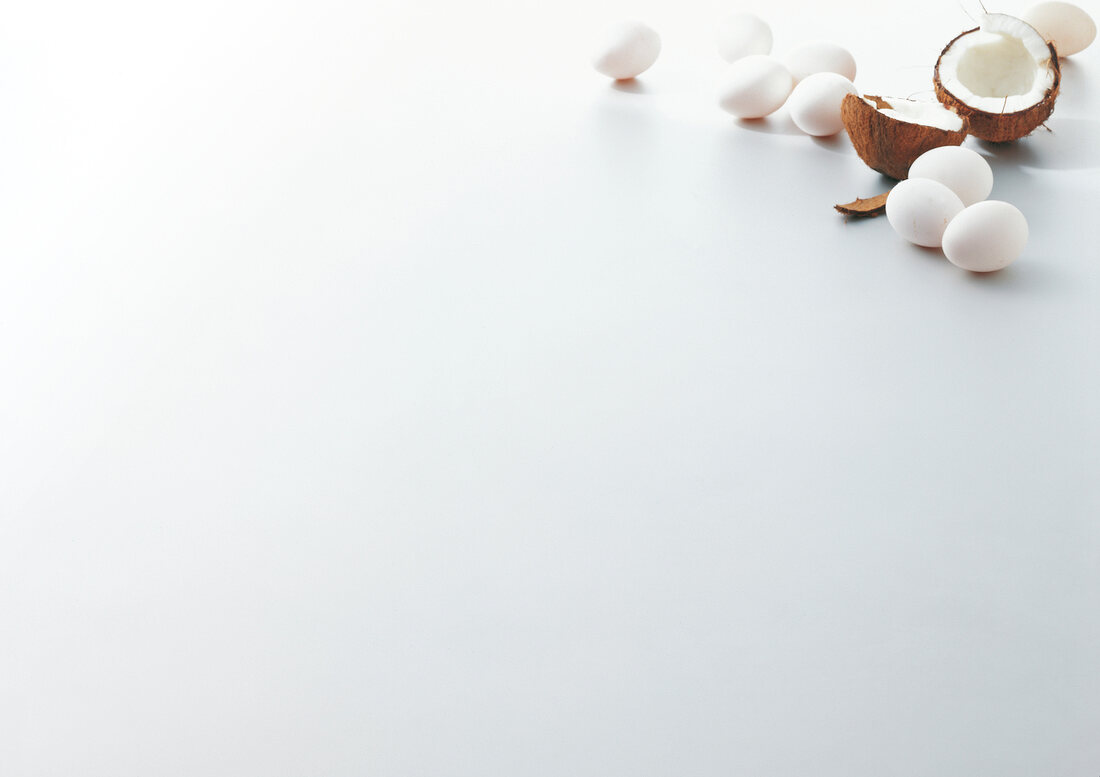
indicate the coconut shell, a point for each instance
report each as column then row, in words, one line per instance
column 1000, row 127
column 864, row 208
column 890, row 145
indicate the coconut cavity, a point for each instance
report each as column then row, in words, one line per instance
column 995, row 69
column 1003, row 77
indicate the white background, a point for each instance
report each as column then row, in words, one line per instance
column 385, row 393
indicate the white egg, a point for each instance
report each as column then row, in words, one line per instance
column 754, row 87
column 743, row 34
column 962, row 170
column 628, row 50
column 820, row 58
column 985, row 237
column 920, row 209
column 1068, row 27
column 814, row 104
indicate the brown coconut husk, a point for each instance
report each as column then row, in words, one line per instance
column 864, row 208
column 1000, row 127
column 890, row 145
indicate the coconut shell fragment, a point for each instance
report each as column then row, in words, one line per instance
column 864, row 208
column 1003, row 124
column 887, row 144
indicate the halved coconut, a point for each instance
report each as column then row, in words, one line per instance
column 1002, row 76
column 889, row 133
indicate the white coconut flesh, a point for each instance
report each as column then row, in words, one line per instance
column 924, row 112
column 1004, row 67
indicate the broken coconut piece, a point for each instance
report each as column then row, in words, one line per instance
column 1002, row 77
column 868, row 208
column 889, row 133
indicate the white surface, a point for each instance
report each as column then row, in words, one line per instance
column 384, row 393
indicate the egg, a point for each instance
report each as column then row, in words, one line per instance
column 985, row 237
column 962, row 170
column 919, row 209
column 814, row 104
column 755, row 86
column 743, row 34
column 628, row 50
column 1068, row 27
column 820, row 58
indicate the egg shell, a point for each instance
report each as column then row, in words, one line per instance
column 985, row 237
column 743, row 34
column 962, row 170
column 814, row 104
column 628, row 50
column 754, row 87
column 1067, row 26
column 820, row 58
column 920, row 209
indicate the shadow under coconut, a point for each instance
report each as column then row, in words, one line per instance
column 1012, row 179
column 1067, row 144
